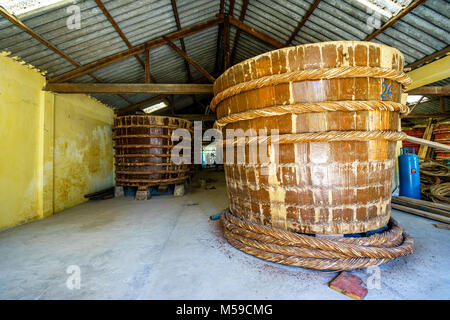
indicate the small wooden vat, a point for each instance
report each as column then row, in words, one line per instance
column 143, row 148
column 344, row 93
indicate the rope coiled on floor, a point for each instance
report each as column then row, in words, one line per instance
column 301, row 250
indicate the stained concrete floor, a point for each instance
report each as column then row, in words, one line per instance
column 167, row 248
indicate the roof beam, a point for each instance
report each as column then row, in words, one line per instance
column 238, row 31
column 394, row 19
column 429, row 58
column 183, row 47
column 129, row 88
column 302, row 22
column 255, row 33
column 106, row 61
column 429, row 115
column 226, row 42
column 190, row 60
column 431, row 91
column 219, row 37
column 147, row 66
column 5, row 14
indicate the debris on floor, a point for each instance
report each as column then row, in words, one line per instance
column 349, row 284
column 215, row 217
column 191, row 204
column 101, row 195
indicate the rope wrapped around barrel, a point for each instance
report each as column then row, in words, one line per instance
column 301, row 250
column 312, row 74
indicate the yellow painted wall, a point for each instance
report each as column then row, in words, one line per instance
column 20, row 106
column 53, row 148
column 83, row 158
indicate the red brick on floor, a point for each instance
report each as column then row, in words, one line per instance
column 349, row 285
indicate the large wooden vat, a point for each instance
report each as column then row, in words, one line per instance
column 143, row 148
column 336, row 106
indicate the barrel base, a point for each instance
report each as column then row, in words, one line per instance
column 328, row 227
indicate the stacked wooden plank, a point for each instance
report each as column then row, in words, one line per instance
column 442, row 135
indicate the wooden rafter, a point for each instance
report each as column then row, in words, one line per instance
column 226, row 42
column 431, row 90
column 147, row 66
column 5, row 14
column 121, row 34
column 231, row 7
column 429, row 58
column 106, row 61
column 129, row 88
column 219, row 37
column 429, row 115
column 183, row 47
column 394, row 19
column 302, row 22
column 254, row 32
column 190, row 60
column 238, row 31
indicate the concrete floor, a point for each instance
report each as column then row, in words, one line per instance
column 167, row 248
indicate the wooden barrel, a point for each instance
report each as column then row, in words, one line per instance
column 143, row 148
column 336, row 107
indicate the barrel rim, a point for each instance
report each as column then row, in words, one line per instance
column 152, row 116
column 268, row 53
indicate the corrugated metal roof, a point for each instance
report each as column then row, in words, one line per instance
column 418, row 34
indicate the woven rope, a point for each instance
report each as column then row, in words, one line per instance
column 295, row 249
column 311, row 74
column 312, row 107
column 317, row 137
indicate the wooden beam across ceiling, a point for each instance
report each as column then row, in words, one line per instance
column 106, row 61
column 129, row 88
column 429, row 115
column 190, row 60
column 183, row 47
column 395, row 18
column 11, row 18
column 238, row 31
column 302, row 22
column 431, row 91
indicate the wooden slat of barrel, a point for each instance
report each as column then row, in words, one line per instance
column 318, row 187
column 143, row 147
